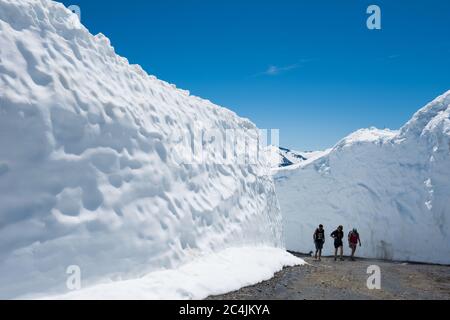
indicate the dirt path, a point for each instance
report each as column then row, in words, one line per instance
column 347, row 280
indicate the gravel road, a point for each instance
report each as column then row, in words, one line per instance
column 337, row 280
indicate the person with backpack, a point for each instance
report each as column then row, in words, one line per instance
column 338, row 235
column 319, row 240
column 353, row 239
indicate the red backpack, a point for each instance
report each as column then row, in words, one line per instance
column 353, row 237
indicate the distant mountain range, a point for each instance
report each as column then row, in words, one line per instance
column 283, row 157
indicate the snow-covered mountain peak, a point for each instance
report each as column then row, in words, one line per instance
column 286, row 159
column 434, row 116
column 369, row 135
column 283, row 157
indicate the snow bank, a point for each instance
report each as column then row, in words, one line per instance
column 215, row 274
column 394, row 186
column 89, row 172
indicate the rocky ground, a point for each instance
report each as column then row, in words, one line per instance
column 329, row 279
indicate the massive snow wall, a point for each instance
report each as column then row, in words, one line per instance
column 88, row 174
column 394, row 186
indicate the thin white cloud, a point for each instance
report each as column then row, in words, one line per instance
column 277, row 70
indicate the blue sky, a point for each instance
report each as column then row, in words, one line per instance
column 310, row 68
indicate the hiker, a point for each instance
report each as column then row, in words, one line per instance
column 319, row 240
column 338, row 235
column 353, row 239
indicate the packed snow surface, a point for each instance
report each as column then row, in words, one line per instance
column 214, row 274
column 393, row 186
column 89, row 172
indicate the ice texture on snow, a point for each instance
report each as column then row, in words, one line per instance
column 88, row 174
column 394, row 186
